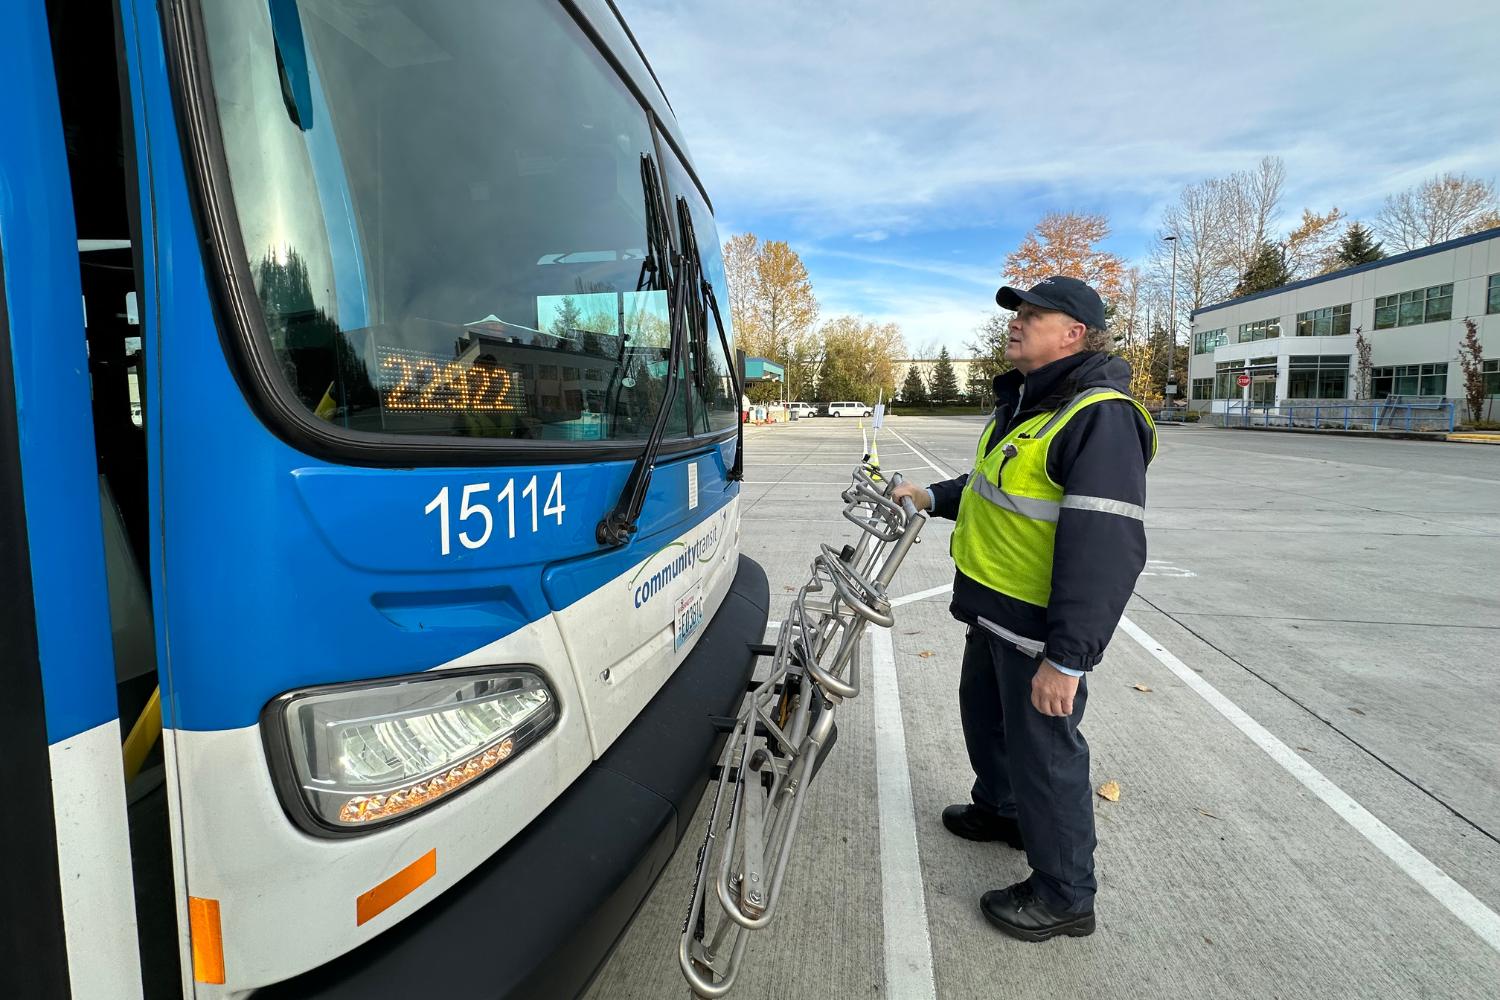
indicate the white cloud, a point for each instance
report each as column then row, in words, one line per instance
column 889, row 117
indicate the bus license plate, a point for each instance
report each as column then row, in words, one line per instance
column 689, row 615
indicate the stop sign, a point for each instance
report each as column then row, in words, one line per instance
column 1243, row 381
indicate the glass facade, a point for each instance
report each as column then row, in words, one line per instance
column 1491, row 370
column 1409, row 380
column 1225, row 373
column 1205, row 341
column 1424, row 305
column 1315, row 376
column 1332, row 321
column 1202, row 388
column 1492, row 300
column 1265, row 329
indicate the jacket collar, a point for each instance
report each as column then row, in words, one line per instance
column 1047, row 388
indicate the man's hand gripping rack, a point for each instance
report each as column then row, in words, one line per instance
column 779, row 740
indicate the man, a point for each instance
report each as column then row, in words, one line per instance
column 1048, row 544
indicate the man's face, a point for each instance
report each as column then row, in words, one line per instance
column 1041, row 336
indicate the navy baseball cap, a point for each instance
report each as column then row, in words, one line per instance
column 1059, row 293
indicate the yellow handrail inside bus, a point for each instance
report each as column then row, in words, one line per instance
column 143, row 735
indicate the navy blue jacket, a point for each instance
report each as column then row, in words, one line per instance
column 1102, row 452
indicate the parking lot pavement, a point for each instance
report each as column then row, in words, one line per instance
column 1309, row 788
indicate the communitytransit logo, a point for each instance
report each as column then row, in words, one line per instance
column 689, row 554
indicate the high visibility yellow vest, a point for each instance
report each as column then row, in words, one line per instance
column 1007, row 517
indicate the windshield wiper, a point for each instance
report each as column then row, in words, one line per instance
column 660, row 269
column 692, row 267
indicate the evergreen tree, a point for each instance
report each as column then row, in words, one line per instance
column 1358, row 246
column 944, row 381
column 913, row 390
column 1267, row 270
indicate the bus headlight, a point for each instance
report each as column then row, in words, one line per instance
column 352, row 756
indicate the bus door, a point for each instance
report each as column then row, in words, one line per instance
column 66, row 901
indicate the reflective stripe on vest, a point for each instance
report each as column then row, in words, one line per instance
column 1007, row 521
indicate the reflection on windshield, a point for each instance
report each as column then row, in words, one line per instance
column 445, row 217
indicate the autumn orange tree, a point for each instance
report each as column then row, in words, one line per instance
column 773, row 310
column 1067, row 243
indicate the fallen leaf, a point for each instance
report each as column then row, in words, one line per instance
column 1142, row 687
column 1205, row 812
column 1110, row 790
column 1355, row 710
column 1305, row 749
column 924, row 654
column 1207, row 939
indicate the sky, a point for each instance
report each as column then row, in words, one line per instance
column 904, row 148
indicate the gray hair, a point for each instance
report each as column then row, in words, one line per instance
column 1098, row 339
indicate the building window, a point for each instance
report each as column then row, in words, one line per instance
column 1225, row 375
column 1263, row 330
column 1492, row 304
column 1409, row 380
column 1330, row 322
column 1425, row 305
column 1203, row 388
column 1315, row 376
column 1491, row 372
column 1206, row 340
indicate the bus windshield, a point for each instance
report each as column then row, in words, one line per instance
column 442, row 210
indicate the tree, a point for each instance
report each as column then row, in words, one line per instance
column 1357, row 246
column 1267, row 270
column 1198, row 220
column 944, row 381
column 1362, row 366
column 1310, row 248
column 740, row 256
column 784, row 312
column 1140, row 353
column 859, row 359
column 1250, row 200
column 772, row 308
column 913, row 390
column 1483, row 222
column 569, row 318
column 980, row 385
column 1440, row 208
column 1066, row 243
column 988, row 348
column 1471, row 362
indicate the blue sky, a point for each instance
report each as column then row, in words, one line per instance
column 903, row 148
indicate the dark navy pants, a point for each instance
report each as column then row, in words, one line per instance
column 1031, row 766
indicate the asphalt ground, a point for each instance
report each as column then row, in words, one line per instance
column 1308, row 791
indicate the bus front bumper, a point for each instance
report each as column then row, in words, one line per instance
column 540, row 917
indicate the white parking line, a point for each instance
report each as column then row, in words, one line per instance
column 908, row 947
column 921, row 595
column 915, row 451
column 1459, row 901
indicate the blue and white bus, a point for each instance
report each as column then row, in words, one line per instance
column 370, row 572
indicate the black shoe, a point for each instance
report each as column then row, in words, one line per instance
column 1020, row 913
column 973, row 823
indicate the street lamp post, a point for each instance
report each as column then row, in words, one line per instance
column 1172, row 320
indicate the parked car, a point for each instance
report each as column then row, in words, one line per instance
column 800, row 410
column 850, row 409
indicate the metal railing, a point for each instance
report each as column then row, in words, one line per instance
column 1437, row 416
column 784, row 730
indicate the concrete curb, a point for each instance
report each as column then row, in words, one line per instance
column 1474, row 437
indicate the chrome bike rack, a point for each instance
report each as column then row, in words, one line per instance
column 785, row 728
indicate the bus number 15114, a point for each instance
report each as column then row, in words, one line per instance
column 474, row 502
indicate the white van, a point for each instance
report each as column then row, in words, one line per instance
column 850, row 409
column 802, row 409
